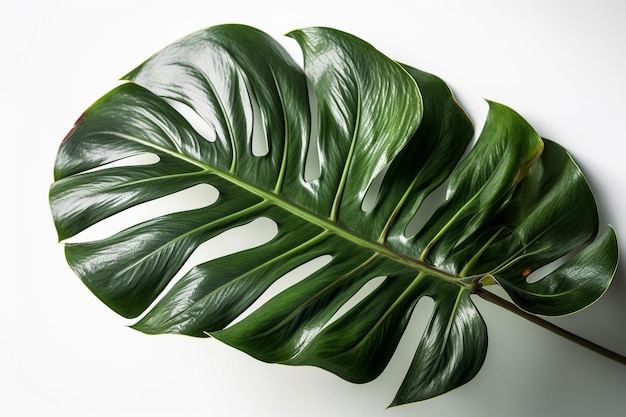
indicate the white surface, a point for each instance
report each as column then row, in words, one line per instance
column 561, row 64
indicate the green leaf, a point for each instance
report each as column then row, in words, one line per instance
column 382, row 131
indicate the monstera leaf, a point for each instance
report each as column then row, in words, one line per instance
column 382, row 131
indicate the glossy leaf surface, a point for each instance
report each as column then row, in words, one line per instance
column 514, row 204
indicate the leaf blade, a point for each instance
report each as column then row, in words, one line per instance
column 450, row 353
column 576, row 284
column 506, row 203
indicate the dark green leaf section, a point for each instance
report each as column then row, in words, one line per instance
column 514, row 204
column 551, row 213
column 128, row 270
column 219, row 73
column 480, row 186
column 425, row 162
column 451, row 351
column 576, row 284
column 279, row 329
column 362, row 122
column 127, row 122
column 358, row 345
column 213, row 294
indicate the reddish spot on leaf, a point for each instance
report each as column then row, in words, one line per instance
column 76, row 123
column 526, row 272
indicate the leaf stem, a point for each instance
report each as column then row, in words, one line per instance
column 492, row 298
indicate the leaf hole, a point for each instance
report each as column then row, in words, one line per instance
column 286, row 281
column 313, row 166
column 197, row 196
column 407, row 346
column 251, row 235
column 540, row 273
column 146, row 158
column 260, row 145
column 428, row 207
column 371, row 195
column 360, row 295
column 293, row 49
column 194, row 119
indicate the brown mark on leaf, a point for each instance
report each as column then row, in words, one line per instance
column 76, row 123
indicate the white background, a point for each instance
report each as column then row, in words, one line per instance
column 561, row 64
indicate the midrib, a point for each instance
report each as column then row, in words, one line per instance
column 323, row 222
